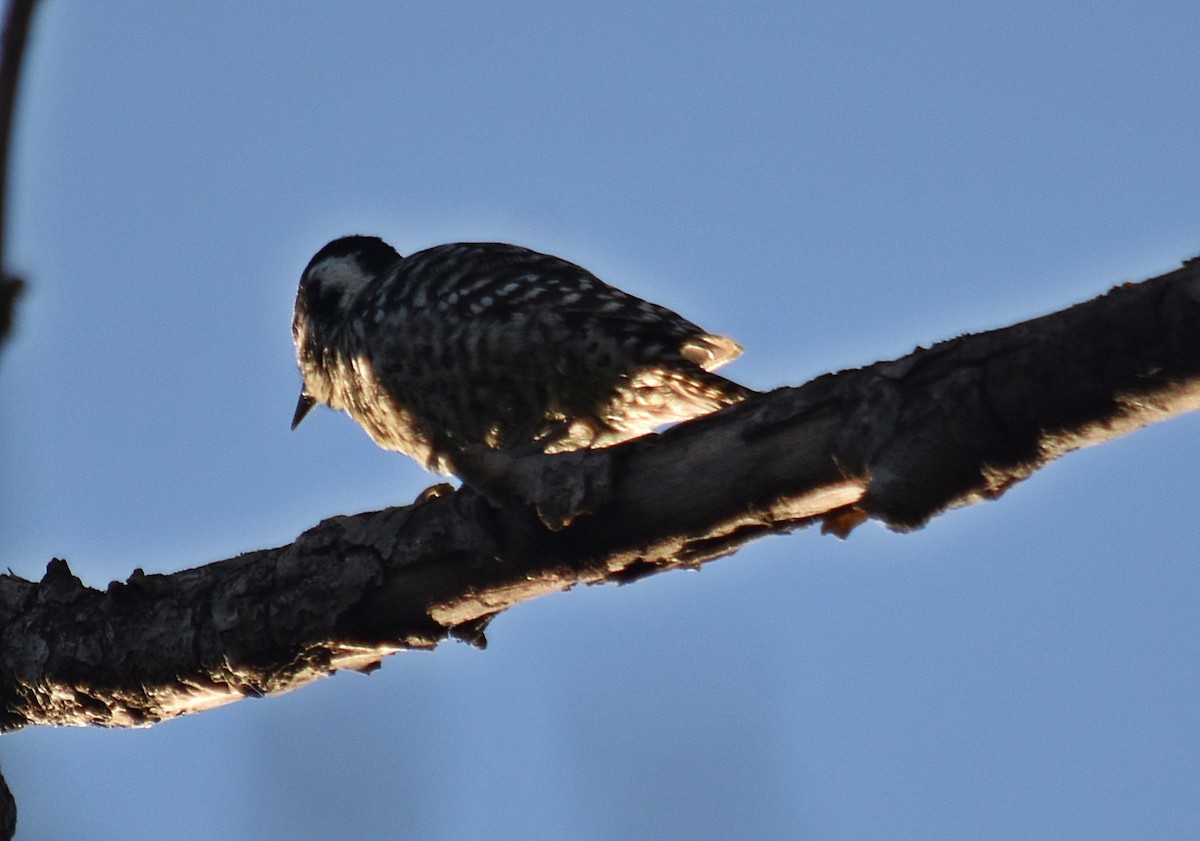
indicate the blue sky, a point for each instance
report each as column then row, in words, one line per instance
column 829, row 183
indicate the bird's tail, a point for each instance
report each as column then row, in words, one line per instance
column 709, row 351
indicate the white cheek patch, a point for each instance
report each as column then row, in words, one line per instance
column 342, row 274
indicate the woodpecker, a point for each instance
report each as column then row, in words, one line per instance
column 486, row 344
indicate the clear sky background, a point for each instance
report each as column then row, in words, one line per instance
column 829, row 183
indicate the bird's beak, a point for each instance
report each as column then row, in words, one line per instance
column 303, row 407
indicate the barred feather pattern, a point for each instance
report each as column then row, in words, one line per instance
column 494, row 344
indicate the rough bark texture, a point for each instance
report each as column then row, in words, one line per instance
column 900, row 441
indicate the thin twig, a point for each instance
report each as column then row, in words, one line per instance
column 12, row 52
column 16, row 34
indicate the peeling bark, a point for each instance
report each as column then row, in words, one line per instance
column 899, row 441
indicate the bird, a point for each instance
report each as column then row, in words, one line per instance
column 486, row 344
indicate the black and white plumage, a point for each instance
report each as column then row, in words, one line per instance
column 490, row 344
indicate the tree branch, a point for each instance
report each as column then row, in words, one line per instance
column 900, row 441
column 17, row 21
column 12, row 53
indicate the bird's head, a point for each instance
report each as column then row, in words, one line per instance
column 332, row 279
